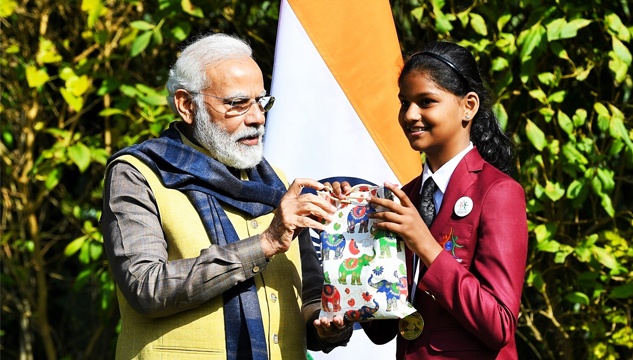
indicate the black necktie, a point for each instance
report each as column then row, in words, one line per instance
column 427, row 205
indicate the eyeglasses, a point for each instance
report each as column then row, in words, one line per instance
column 240, row 105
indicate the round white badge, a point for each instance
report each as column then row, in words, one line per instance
column 463, row 206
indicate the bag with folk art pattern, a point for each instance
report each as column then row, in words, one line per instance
column 364, row 268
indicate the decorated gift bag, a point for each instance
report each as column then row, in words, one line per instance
column 364, row 268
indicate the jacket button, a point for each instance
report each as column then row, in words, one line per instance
column 276, row 338
column 254, row 224
column 255, row 269
column 273, row 297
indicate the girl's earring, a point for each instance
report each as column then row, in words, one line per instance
column 467, row 117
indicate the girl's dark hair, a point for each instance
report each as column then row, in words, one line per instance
column 454, row 69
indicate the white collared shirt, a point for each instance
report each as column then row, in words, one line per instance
column 442, row 176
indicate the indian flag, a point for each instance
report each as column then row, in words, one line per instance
column 335, row 83
column 336, row 108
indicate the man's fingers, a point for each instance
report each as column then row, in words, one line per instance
column 299, row 183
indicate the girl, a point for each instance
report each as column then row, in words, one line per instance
column 465, row 267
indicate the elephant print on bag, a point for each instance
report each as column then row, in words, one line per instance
column 334, row 242
column 359, row 260
column 359, row 215
column 364, row 313
column 330, row 295
column 387, row 240
column 390, row 289
column 353, row 267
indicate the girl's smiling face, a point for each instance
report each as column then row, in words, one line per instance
column 434, row 120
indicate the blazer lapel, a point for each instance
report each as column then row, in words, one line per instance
column 463, row 177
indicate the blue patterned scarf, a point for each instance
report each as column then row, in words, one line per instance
column 207, row 183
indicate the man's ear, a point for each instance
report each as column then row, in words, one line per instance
column 185, row 105
column 471, row 105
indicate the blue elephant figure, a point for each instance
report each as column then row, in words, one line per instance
column 390, row 289
column 334, row 242
column 359, row 215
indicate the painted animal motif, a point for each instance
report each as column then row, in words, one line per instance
column 353, row 267
column 330, row 296
column 333, row 242
column 364, row 313
column 387, row 240
column 390, row 289
column 359, row 215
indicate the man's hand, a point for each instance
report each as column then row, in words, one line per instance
column 295, row 212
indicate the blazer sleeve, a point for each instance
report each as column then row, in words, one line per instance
column 486, row 298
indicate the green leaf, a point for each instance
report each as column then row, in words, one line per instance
column 108, row 85
column 503, row 20
column 94, row 9
column 142, row 25
column 618, row 67
column 96, row 249
column 604, row 257
column 75, row 245
column 616, row 27
column 500, row 63
column 190, row 9
column 78, row 85
column 75, row 102
column 36, row 78
column 607, row 205
column 565, row 122
column 47, row 52
column 53, row 178
column 140, row 43
column 575, row 189
column 621, row 50
column 606, row 177
column 502, row 115
column 579, row 118
column 539, row 95
column 478, row 24
column 557, row 97
column 554, row 191
column 532, row 41
column 622, row 291
column 110, row 112
column 443, row 23
column 547, row 78
column 7, row 8
column 577, row 298
column 544, row 232
column 550, row 246
column 155, row 100
column 80, row 155
column 554, row 29
column 570, row 29
column 180, row 31
column 535, row 135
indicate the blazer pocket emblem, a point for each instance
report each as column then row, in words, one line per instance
column 450, row 243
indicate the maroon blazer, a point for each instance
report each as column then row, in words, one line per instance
column 471, row 294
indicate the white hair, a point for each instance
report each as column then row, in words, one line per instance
column 189, row 71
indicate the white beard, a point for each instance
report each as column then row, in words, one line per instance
column 225, row 147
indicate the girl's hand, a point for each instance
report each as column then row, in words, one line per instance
column 405, row 220
column 339, row 189
column 331, row 329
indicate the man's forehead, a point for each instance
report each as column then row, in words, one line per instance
column 242, row 74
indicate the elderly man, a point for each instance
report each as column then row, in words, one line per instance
column 207, row 244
